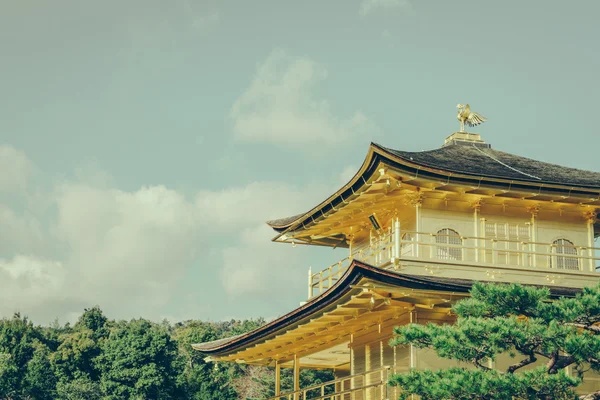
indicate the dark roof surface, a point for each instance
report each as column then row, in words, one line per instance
column 357, row 271
column 487, row 162
column 478, row 163
column 284, row 221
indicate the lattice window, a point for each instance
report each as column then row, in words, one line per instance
column 448, row 237
column 566, row 255
column 506, row 231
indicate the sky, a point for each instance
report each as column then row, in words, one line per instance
column 143, row 143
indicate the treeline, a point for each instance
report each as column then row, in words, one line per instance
column 98, row 358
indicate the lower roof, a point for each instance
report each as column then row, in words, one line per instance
column 355, row 273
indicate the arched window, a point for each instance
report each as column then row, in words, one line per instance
column 566, row 255
column 448, row 237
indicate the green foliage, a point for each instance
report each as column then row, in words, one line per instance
column 459, row 383
column 24, row 364
column 9, row 381
column 97, row 358
column 138, row 362
column 77, row 389
column 199, row 379
column 514, row 319
column 40, row 381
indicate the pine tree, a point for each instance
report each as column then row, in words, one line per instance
column 514, row 319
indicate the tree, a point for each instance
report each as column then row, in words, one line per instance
column 138, row 361
column 8, row 376
column 77, row 389
column 40, row 381
column 201, row 380
column 514, row 319
column 24, row 366
column 75, row 356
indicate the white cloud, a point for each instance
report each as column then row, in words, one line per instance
column 260, row 268
column 31, row 284
column 256, row 203
column 369, row 6
column 128, row 251
column 137, row 243
column 20, row 233
column 281, row 107
column 15, row 169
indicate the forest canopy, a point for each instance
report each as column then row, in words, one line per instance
column 98, row 358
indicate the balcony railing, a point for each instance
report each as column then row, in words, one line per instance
column 389, row 248
column 371, row 385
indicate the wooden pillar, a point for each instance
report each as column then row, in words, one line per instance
column 417, row 202
column 397, row 239
column 476, row 225
column 277, row 378
column 413, row 349
column 534, row 213
column 296, row 376
column 591, row 218
column 352, row 362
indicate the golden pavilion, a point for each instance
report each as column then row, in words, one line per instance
column 420, row 228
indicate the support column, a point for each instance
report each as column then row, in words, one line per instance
column 534, row 213
column 352, row 362
column 476, row 225
column 417, row 201
column 277, row 378
column 591, row 218
column 413, row 349
column 296, row 376
column 397, row 239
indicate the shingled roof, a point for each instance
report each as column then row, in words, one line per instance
column 470, row 164
column 487, row 162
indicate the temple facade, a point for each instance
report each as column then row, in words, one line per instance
column 420, row 228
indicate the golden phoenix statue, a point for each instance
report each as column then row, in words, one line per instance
column 468, row 117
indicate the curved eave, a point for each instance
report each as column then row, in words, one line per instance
column 378, row 154
column 347, row 282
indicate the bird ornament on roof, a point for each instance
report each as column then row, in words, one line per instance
column 468, row 117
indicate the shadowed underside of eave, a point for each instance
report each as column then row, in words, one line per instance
column 343, row 292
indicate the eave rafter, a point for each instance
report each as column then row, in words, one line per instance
column 365, row 310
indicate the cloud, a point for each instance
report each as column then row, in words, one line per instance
column 260, row 268
column 15, row 169
column 139, row 243
column 129, row 251
column 20, row 233
column 369, row 6
column 256, row 203
column 31, row 284
column 280, row 107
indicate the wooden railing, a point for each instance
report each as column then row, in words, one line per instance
column 371, row 385
column 386, row 249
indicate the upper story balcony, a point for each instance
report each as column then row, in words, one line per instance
column 446, row 253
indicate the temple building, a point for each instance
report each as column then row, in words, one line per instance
column 420, row 228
